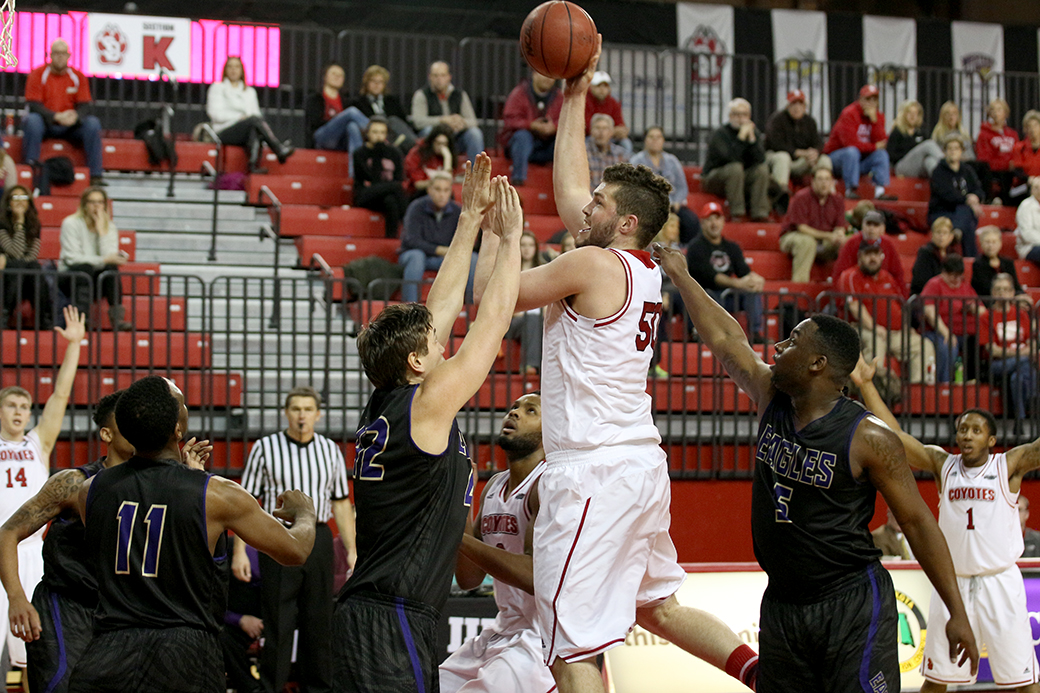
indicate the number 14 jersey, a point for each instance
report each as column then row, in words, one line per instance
column 978, row 515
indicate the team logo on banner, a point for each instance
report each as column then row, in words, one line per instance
column 891, row 74
column 110, row 44
column 912, row 631
column 978, row 63
column 802, row 64
column 707, row 69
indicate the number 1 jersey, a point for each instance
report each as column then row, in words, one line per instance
column 146, row 524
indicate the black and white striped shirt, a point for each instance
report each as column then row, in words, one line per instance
column 277, row 463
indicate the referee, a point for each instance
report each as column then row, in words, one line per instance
column 299, row 597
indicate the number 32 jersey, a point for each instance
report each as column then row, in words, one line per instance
column 594, row 370
column 23, row 472
column 978, row 515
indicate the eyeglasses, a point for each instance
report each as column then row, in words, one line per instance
column 19, row 198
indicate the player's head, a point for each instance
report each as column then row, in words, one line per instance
column 976, row 434
column 108, row 429
column 521, row 433
column 820, row 347
column 399, row 346
column 302, row 410
column 149, row 415
column 631, row 201
column 15, row 409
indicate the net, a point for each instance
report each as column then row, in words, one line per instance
column 7, row 58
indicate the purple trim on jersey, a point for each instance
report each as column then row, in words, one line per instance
column 410, row 644
column 205, row 524
column 848, row 445
column 59, row 674
column 875, row 616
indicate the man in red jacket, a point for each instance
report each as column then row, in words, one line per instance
column 873, row 230
column 530, row 116
column 857, row 142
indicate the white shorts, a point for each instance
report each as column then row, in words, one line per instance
column 996, row 606
column 494, row 662
column 601, row 547
column 30, row 572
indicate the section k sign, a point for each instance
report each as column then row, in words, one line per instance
column 123, row 45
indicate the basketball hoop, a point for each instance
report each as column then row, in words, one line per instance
column 6, row 44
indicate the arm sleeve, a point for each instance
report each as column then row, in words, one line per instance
column 877, row 131
column 216, row 108
column 740, row 265
column 615, row 112
column 41, row 110
column 395, row 155
column 110, row 241
column 74, row 247
column 361, row 173
column 413, row 168
column 10, row 172
column 698, row 263
column 846, row 259
column 974, row 185
column 421, row 117
column 756, row 152
column 795, row 214
column 921, row 272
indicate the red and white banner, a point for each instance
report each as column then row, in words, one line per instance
column 890, row 47
column 978, row 58
column 800, row 57
column 706, row 34
column 128, row 45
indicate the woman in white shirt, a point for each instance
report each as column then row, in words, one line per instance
column 234, row 112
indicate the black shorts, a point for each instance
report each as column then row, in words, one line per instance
column 172, row 660
column 384, row 645
column 843, row 643
column 67, row 629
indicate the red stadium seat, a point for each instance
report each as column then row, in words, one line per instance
column 537, row 200
column 309, row 162
column 146, row 313
column 54, row 208
column 1007, row 244
column 543, row 226
column 696, row 201
column 754, row 235
column 140, row 278
column 500, row 390
column 338, row 251
column 693, row 359
column 176, row 350
column 949, row 399
column 908, row 243
column 1028, row 273
column 299, row 220
column 770, row 264
column 693, row 178
column 200, row 389
column 907, row 189
column 720, row 395
column 1004, row 217
column 302, row 190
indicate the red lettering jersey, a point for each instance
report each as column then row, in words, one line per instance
column 23, row 471
column 887, row 313
column 978, row 515
column 57, row 92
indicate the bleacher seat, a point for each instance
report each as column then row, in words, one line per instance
column 754, row 235
column 949, row 399
column 145, row 313
column 338, row 251
column 693, row 359
column 1003, row 217
column 299, row 220
column 309, row 162
column 693, row 178
column 54, row 208
column 75, row 189
column 692, row 394
column 771, row 264
column 301, row 190
column 50, row 243
column 696, row 201
column 906, row 189
column 908, row 243
column 1028, row 273
column 543, row 226
column 175, row 350
column 200, row 389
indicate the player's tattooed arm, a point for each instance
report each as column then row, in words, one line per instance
column 1023, row 458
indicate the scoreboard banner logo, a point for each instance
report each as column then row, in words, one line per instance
column 133, row 46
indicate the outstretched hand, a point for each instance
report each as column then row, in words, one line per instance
column 864, row 371
column 196, row 453
column 672, row 261
column 476, row 187
column 580, row 84
column 508, row 218
column 75, row 325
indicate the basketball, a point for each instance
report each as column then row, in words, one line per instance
column 558, row 39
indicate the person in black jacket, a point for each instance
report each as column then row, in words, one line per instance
column 375, row 101
column 989, row 263
column 379, row 176
column 736, row 164
column 930, row 256
column 793, row 144
column 910, row 150
column 332, row 123
column 956, row 194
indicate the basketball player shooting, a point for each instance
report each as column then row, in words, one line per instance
column 978, row 514
column 603, row 558
column 828, row 615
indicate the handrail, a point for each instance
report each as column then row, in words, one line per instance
column 208, row 129
column 275, row 235
column 323, row 266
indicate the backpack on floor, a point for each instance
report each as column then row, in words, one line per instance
column 159, row 147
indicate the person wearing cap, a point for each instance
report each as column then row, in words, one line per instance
column 736, row 164
column 814, row 226
column 529, row 121
column 718, row 265
column 668, row 167
column 601, row 150
column 858, row 143
column 440, row 103
column 951, row 313
column 873, row 229
column 880, row 320
column 598, row 101
column 793, row 141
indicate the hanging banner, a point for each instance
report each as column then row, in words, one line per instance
column 129, row 45
column 978, row 61
column 890, row 50
column 652, row 88
column 706, row 34
column 800, row 55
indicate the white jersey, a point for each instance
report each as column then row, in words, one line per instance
column 594, row 370
column 504, row 519
column 978, row 515
column 23, row 472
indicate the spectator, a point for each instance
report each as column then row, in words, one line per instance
column 379, row 176
column 529, row 120
column 889, row 539
column 995, row 147
column 880, row 322
column 857, row 142
column 912, row 153
column 1011, row 345
column 989, row 263
column 950, row 126
column 793, row 142
column 736, row 166
column 873, row 230
column 19, row 250
column 951, row 314
column 58, row 99
column 373, row 100
column 930, row 256
column 331, row 122
column 956, row 194
column 668, row 167
column 1031, row 537
column 566, row 242
column 526, row 326
column 431, row 154
column 671, row 300
column 1027, row 225
column 243, row 626
column 599, row 100
column 601, row 150
column 814, row 227
column 90, row 245
column 8, row 172
column 429, row 226
column 440, row 103
column 1026, row 155
column 718, row 264
column 234, row 112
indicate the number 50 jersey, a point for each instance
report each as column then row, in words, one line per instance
column 146, row 524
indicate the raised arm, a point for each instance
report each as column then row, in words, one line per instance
column 59, row 493
column 449, row 287
column 54, row 412
column 229, row 506
column 718, row 329
column 879, row 453
column 468, row 574
column 1023, row 459
column 570, row 162
column 515, row 569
